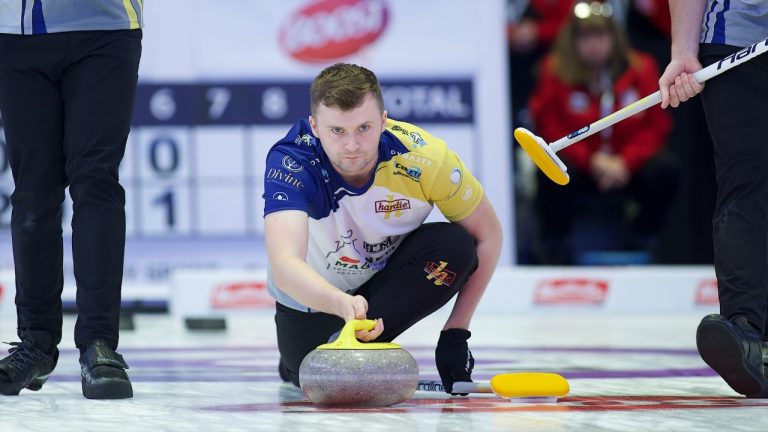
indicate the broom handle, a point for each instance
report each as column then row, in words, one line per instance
column 701, row 76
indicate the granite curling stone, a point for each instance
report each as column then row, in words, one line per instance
column 352, row 373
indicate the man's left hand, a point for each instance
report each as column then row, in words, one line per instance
column 453, row 358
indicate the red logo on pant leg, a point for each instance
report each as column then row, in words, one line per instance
column 439, row 274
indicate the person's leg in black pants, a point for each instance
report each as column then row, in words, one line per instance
column 99, row 89
column 424, row 273
column 67, row 100
column 740, row 223
column 736, row 107
column 33, row 114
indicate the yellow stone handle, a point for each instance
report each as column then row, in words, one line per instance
column 348, row 340
column 358, row 325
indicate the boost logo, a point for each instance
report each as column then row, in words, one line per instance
column 571, row 291
column 327, row 30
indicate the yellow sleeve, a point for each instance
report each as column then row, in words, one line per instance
column 455, row 190
column 445, row 180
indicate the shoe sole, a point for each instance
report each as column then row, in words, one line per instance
column 37, row 383
column 112, row 390
column 720, row 349
column 7, row 389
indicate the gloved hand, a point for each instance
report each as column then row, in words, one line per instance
column 453, row 358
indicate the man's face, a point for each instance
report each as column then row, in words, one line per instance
column 351, row 138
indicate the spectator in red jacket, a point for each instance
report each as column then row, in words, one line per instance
column 590, row 73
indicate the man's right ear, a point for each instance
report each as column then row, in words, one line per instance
column 313, row 125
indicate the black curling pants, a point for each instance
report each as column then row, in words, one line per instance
column 66, row 101
column 736, row 106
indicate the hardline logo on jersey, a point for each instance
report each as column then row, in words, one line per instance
column 402, row 130
column 438, row 273
column 418, row 141
column 306, row 139
column 392, row 205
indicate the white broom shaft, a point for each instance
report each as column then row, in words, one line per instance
column 701, row 76
column 458, row 387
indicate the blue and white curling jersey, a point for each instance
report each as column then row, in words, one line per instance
column 36, row 17
column 353, row 231
column 735, row 22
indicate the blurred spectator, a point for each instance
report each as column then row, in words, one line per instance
column 622, row 182
column 649, row 27
column 531, row 28
column 656, row 12
column 538, row 25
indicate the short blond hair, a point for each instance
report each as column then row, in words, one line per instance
column 344, row 86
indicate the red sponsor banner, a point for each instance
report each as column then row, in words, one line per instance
column 706, row 293
column 241, row 295
column 571, row 291
column 327, row 30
